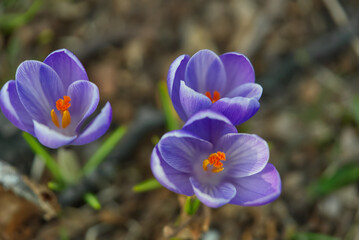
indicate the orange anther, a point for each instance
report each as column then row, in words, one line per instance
column 214, row 160
column 66, row 119
column 54, row 118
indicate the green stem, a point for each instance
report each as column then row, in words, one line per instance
column 45, row 156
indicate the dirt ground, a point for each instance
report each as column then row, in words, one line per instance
column 305, row 54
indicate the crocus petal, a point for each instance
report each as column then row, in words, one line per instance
column 238, row 109
column 13, row 109
column 97, row 127
column 213, row 196
column 238, row 68
column 39, row 87
column 248, row 90
column 192, row 101
column 169, row 177
column 50, row 137
column 67, row 66
column 209, row 125
column 246, row 154
column 259, row 189
column 84, row 100
column 176, row 73
column 180, row 150
column 205, row 72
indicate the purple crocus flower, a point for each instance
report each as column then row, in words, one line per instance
column 51, row 100
column 223, row 83
column 210, row 159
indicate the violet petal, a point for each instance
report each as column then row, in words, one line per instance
column 192, row 101
column 246, row 154
column 213, row 196
column 238, row 109
column 259, row 189
column 50, row 137
column 248, row 90
column 97, row 127
column 67, row 66
column 180, row 149
column 209, row 125
column 13, row 109
column 205, row 72
column 169, row 177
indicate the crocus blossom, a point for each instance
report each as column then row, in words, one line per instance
column 210, row 159
column 51, row 100
column 222, row 83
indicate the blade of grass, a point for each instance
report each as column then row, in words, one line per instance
column 92, row 200
column 104, row 150
column 170, row 113
column 147, row 185
column 345, row 175
column 45, row 156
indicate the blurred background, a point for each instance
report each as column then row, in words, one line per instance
column 306, row 57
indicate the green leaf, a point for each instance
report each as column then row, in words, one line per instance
column 312, row 236
column 11, row 21
column 92, row 200
column 192, row 205
column 170, row 113
column 104, row 150
column 44, row 155
column 54, row 186
column 148, row 185
column 345, row 175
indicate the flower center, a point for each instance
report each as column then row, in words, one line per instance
column 214, row 160
column 216, row 96
column 62, row 105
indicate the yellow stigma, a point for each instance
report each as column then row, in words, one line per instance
column 214, row 160
column 62, row 105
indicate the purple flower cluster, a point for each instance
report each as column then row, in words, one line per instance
column 51, row 100
column 208, row 157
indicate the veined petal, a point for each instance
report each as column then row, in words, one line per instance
column 176, row 73
column 50, row 137
column 239, row 70
column 246, row 154
column 38, row 87
column 97, row 127
column 67, row 66
column 181, row 150
column 84, row 100
column 169, row 177
column 238, row 109
column 259, row 189
column 13, row 109
column 205, row 72
column 192, row 101
column 209, row 125
column 213, row 196
column 248, row 90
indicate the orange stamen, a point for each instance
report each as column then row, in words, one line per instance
column 215, row 161
column 216, row 96
column 62, row 105
column 54, row 118
column 66, row 119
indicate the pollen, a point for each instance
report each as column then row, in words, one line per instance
column 62, row 106
column 216, row 96
column 214, row 162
